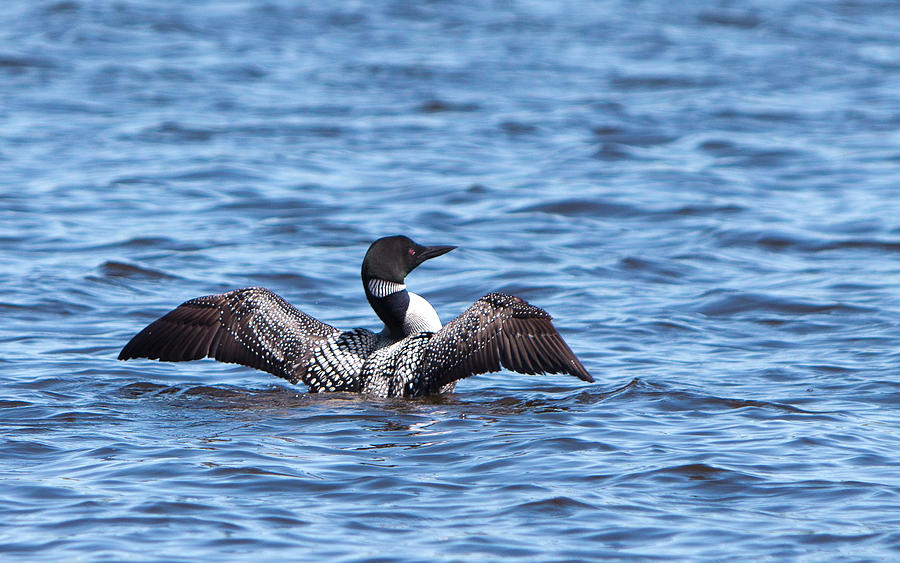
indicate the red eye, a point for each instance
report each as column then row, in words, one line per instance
column 412, row 251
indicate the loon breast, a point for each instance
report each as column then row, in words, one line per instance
column 420, row 316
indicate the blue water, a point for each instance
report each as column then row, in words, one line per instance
column 705, row 195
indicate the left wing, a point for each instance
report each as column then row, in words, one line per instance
column 252, row 327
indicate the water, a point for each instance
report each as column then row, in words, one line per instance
column 704, row 195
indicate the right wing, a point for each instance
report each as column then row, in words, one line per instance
column 252, row 327
column 497, row 330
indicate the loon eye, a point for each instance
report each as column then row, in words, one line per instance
column 412, row 251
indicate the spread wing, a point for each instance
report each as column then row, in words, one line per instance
column 252, row 327
column 497, row 330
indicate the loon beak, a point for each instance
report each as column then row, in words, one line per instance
column 424, row 253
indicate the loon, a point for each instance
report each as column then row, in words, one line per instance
column 414, row 355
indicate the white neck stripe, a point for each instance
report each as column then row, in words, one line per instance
column 383, row 288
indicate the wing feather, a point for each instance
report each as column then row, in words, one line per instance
column 252, row 327
column 497, row 330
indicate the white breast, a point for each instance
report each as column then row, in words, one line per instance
column 420, row 316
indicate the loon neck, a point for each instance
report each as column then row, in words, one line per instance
column 382, row 288
column 389, row 300
column 404, row 313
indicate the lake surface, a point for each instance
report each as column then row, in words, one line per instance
column 705, row 195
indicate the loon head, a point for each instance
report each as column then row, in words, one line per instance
column 392, row 258
column 384, row 270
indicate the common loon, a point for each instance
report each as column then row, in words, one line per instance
column 413, row 355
